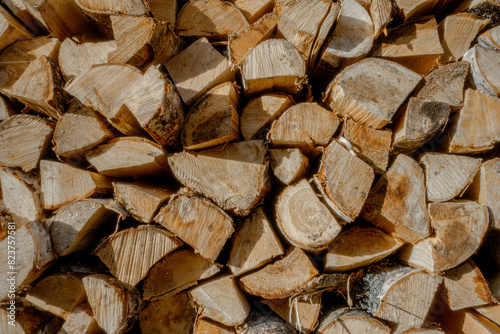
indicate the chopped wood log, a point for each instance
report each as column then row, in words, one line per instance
column 447, row 175
column 414, row 45
column 288, row 164
column 359, row 246
column 176, row 272
column 170, row 315
column 27, row 319
column 206, row 326
column 254, row 244
column 11, row 30
column 492, row 312
column 371, row 91
column 467, row 322
column 198, row 69
column 494, row 283
column 254, row 10
column 421, row 120
column 31, row 21
column 258, row 115
column 129, row 157
column 459, row 228
column 15, row 150
column 6, row 109
column 346, row 320
column 129, row 256
column 267, row 323
column 213, row 120
column 381, row 14
column 273, row 65
column 397, row 201
column 114, row 307
column 222, row 300
column 235, row 176
column 142, row 200
column 273, row 281
column 304, row 220
column 62, row 184
column 465, row 135
column 482, row 8
column 490, row 39
column 402, row 329
column 30, row 260
column 305, row 126
column 81, row 320
column 484, row 63
column 407, row 9
column 307, row 24
column 198, row 222
column 213, row 19
column 346, row 180
column 164, row 10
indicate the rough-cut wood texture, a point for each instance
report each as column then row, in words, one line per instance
column 28, row 319
column 81, row 320
column 254, row 9
column 32, row 21
column 268, row 323
column 381, row 13
column 206, row 326
column 466, row 322
column 301, row 313
column 11, row 30
column 484, row 62
column 490, row 38
column 164, row 10
column 6, row 109
column 492, row 312
column 345, row 321
column 414, row 8
column 288, row 164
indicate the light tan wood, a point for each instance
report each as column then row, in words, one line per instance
column 408, row 9
column 198, row 222
column 164, row 10
column 371, row 91
column 254, row 10
column 31, row 21
column 492, row 312
column 81, row 320
column 197, row 69
column 265, row 322
column 301, row 313
column 490, row 38
column 467, row 322
column 11, row 30
column 345, row 320
column 381, row 14
column 28, row 319
column 483, row 62
column 402, row 329
column 6, row 108
column 288, row 164
column 236, row 175
column 206, row 326
column 129, row 254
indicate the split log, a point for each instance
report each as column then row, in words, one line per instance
column 213, row 19
column 304, row 220
column 414, row 45
column 359, row 246
column 273, row 65
column 288, row 164
column 142, row 200
column 129, row 256
column 81, row 320
column 459, row 229
column 62, row 184
column 467, row 322
column 28, row 319
column 258, row 115
column 198, row 222
column 447, row 175
column 401, row 329
column 176, row 272
column 346, row 180
column 222, row 300
column 397, row 201
column 346, row 320
column 482, row 8
column 198, row 69
column 273, row 281
column 408, row 9
column 254, row 244
column 381, row 12
column 235, row 176
column 129, row 157
column 213, row 120
column 11, row 30
column 490, row 39
column 31, row 21
column 254, row 10
column 484, row 63
column 170, row 315
column 165, row 11
column 15, row 150
column 492, row 312
column 371, row 91
column 114, row 307
column 267, row 323
column 301, row 312
column 206, row 326
column 6, row 108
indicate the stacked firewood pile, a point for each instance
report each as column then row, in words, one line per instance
column 249, row 166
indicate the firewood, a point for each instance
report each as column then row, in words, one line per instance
column 267, row 323
column 414, row 45
column 213, row 19
column 302, row 313
column 176, row 272
column 464, row 134
column 397, row 201
column 420, row 121
column 305, row 126
column 118, row 252
column 381, row 13
column 304, row 220
column 371, row 91
column 213, row 119
column 32, row 21
column 28, row 319
column 6, row 109
column 482, row 8
column 221, row 300
column 490, row 38
column 114, row 307
column 254, row 10
column 484, row 63
column 170, row 315
column 142, row 200
column 165, row 11
column 301, row 25
column 346, row 180
column 467, row 322
column 273, row 281
column 260, row 112
column 492, row 312
column 459, row 229
column 254, row 244
column 197, row 69
column 62, row 184
column 81, row 320
column 402, row 329
column 198, row 222
column 288, row 164
column 206, row 326
column 11, row 30
column 273, row 65
column 447, row 175
column 345, row 320
column 235, row 176
column 359, row 246
column 129, row 157
column 15, row 149
column 415, row 8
